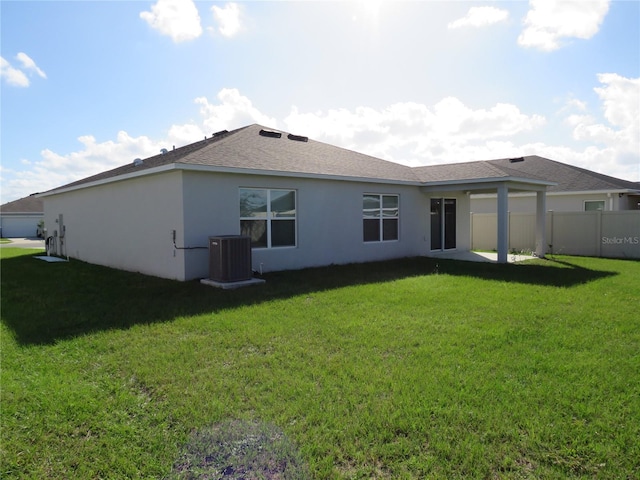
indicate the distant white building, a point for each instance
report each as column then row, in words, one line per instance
column 20, row 218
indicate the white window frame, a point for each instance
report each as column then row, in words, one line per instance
column 270, row 216
column 603, row 202
column 381, row 217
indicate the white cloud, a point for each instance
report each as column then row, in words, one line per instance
column 53, row 169
column 620, row 98
column 413, row 133
column 480, row 17
column 178, row 19
column 28, row 64
column 234, row 111
column 17, row 77
column 548, row 22
column 12, row 76
column 228, row 18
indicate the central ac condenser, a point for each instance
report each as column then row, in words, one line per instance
column 230, row 258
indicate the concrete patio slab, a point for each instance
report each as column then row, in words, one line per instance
column 488, row 257
column 232, row 285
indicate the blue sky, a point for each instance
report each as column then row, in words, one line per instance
column 88, row 86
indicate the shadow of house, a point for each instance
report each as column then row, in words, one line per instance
column 45, row 303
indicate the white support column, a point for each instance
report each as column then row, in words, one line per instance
column 503, row 223
column 541, row 224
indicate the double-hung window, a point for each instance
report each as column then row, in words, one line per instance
column 268, row 216
column 380, row 214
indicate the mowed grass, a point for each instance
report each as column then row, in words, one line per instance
column 417, row 368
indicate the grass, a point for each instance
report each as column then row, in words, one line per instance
column 408, row 369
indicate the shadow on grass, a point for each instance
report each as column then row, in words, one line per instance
column 43, row 303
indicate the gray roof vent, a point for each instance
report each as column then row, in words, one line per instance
column 268, row 133
column 298, row 138
column 163, row 151
column 516, row 160
column 221, row 132
column 137, row 162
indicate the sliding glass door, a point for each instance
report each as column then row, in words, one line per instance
column 443, row 223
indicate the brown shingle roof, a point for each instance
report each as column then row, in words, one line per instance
column 567, row 177
column 30, row 204
column 248, row 149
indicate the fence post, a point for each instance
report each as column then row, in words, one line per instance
column 471, row 229
column 551, row 232
column 599, row 233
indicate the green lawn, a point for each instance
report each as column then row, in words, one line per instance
column 407, row 369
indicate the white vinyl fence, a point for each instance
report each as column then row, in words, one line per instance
column 593, row 234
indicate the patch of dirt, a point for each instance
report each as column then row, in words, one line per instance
column 239, row 450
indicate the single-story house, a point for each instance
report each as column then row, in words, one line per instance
column 21, row 218
column 576, row 189
column 303, row 203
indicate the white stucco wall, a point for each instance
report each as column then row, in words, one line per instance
column 129, row 224
column 125, row 224
column 329, row 221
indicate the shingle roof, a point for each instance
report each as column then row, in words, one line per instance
column 30, row 204
column 259, row 148
column 567, row 177
column 247, row 149
column 460, row 171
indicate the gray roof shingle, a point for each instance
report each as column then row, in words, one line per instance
column 30, row 204
column 567, row 177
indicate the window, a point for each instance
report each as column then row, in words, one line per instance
column 380, row 214
column 268, row 217
column 593, row 205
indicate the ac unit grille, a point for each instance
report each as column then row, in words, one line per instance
column 230, row 258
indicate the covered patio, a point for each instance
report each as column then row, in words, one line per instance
column 500, row 183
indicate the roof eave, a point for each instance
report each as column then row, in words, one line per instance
column 106, row 181
column 284, row 173
column 483, row 183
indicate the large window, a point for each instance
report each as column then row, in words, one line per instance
column 380, row 214
column 268, row 216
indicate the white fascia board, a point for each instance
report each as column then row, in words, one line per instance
column 21, row 214
column 280, row 173
column 217, row 169
column 598, row 192
column 105, row 181
column 487, row 183
column 560, row 194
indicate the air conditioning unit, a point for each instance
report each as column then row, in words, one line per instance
column 230, row 258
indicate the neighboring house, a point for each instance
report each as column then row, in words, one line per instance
column 303, row 203
column 20, row 218
column 576, row 189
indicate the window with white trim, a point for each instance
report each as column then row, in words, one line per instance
column 380, row 217
column 593, row 205
column 268, row 216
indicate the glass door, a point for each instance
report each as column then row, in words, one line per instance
column 443, row 223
